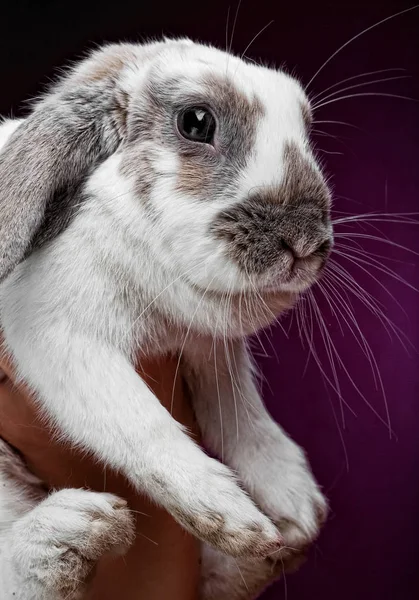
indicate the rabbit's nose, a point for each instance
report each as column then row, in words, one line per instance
column 261, row 234
column 302, row 247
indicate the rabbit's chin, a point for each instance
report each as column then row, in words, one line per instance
column 254, row 311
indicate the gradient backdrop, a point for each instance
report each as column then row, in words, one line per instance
column 369, row 548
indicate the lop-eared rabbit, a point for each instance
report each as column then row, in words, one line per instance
column 160, row 198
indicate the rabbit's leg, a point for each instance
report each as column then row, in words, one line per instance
column 50, row 544
column 237, row 427
column 97, row 400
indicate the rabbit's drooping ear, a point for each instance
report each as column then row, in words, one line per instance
column 79, row 123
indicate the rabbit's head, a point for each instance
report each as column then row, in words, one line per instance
column 213, row 150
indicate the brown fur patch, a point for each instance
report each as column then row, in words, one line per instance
column 204, row 172
column 193, row 176
column 237, row 122
column 302, row 181
column 212, row 527
column 107, row 63
column 138, row 163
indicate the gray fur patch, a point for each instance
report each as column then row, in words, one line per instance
column 302, row 182
column 205, row 176
column 60, row 211
column 307, row 115
column 71, row 130
column 204, row 172
column 292, row 217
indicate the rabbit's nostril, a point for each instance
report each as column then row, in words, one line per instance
column 285, row 245
column 303, row 249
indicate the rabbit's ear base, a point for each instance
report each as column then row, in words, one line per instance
column 74, row 128
column 106, row 63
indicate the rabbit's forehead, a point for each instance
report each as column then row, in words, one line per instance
column 219, row 76
column 248, row 77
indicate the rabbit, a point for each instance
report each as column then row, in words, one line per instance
column 161, row 197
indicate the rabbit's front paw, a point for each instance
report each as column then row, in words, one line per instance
column 58, row 543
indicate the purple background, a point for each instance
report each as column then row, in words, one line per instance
column 369, row 547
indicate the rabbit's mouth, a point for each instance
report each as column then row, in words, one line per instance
column 277, row 247
column 301, row 274
column 289, row 274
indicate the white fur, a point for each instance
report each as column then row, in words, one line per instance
column 51, row 543
column 7, row 127
column 72, row 332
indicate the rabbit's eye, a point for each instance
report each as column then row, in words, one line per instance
column 197, row 124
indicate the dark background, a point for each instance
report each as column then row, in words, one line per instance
column 369, row 548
